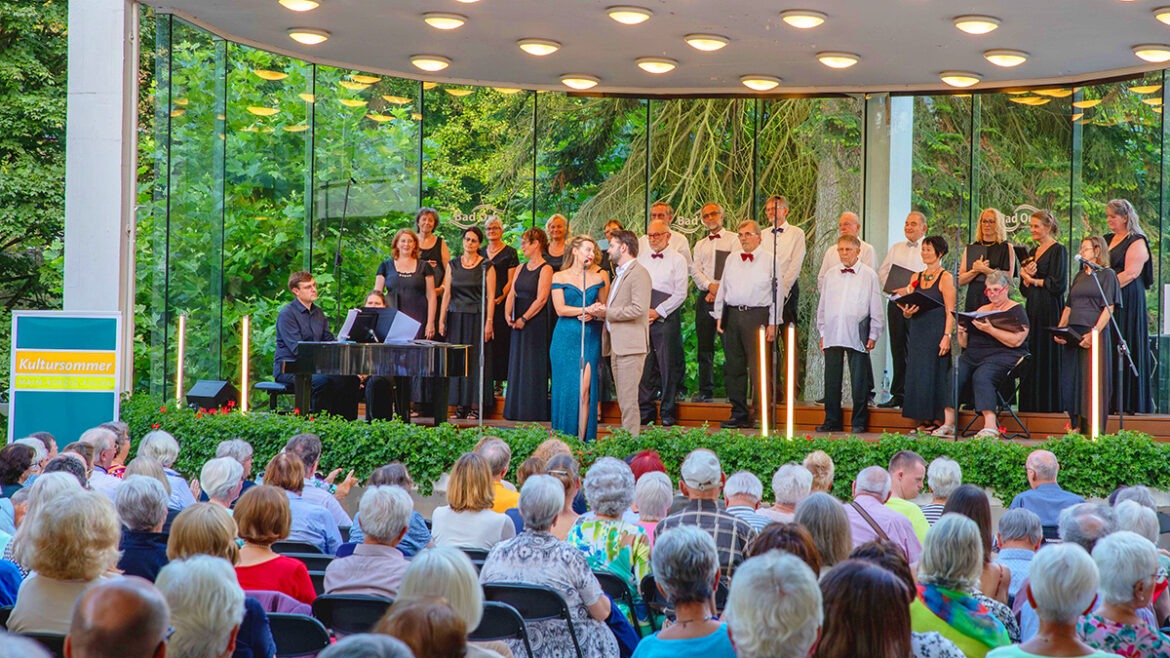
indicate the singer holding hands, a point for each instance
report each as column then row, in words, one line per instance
column 465, row 321
column 991, row 252
column 574, row 289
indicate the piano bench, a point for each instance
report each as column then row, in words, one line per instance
column 274, row 390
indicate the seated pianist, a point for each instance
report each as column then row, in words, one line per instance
column 301, row 320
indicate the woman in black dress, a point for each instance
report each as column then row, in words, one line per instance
column 431, row 247
column 1086, row 309
column 527, row 311
column 928, row 362
column 463, row 321
column 558, row 228
column 503, row 259
column 1129, row 256
column 1044, row 278
column 991, row 252
column 411, row 284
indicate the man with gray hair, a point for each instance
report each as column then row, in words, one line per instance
column 105, row 446
column 1019, row 537
column 743, row 492
column 124, row 617
column 142, row 507
column 774, row 608
column 870, row 519
column 702, row 479
column 1045, row 497
column 308, row 448
column 241, row 451
column 847, row 224
column 498, row 455
column 207, row 606
column 791, row 483
column 376, row 566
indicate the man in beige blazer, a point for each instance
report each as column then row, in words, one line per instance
column 627, row 324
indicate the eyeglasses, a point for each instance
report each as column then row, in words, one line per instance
column 993, row 291
column 656, row 235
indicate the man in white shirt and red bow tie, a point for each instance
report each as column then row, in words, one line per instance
column 711, row 254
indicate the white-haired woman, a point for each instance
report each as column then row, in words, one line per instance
column 652, row 497
column 447, row 572
column 536, row 557
column 46, row 487
column 1128, row 567
column 791, row 484
column 163, row 447
column 206, row 603
column 222, row 480
column 943, row 476
column 774, row 607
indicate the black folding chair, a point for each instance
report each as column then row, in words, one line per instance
column 285, row 547
column 501, row 621
column 659, row 606
column 318, row 578
column 350, row 614
column 478, row 556
column 53, row 643
column 297, row 635
column 1005, row 395
column 5, row 613
column 314, row 561
column 534, row 603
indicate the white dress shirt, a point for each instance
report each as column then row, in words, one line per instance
column 790, row 251
column 703, row 267
column 905, row 254
column 747, row 282
column 678, row 242
column 668, row 274
column 832, row 260
column 847, row 299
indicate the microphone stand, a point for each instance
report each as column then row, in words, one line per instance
column 337, row 252
column 583, row 422
column 779, row 310
column 483, row 268
column 1122, row 347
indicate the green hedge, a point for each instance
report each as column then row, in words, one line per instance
column 1090, row 468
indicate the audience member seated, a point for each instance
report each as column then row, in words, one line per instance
column 447, row 572
column 82, row 451
column 105, row 448
column 791, row 484
column 18, row 463
column 792, row 538
column 162, row 446
column 1045, row 497
column 870, row 519
column 774, row 608
column 1019, row 537
column 125, row 617
column 498, row 455
column 825, row 519
column 653, row 494
column 142, row 507
column 743, row 492
column 70, row 463
column 376, row 567
column 15, row 646
column 311, row 522
column 564, row 468
column 222, row 479
column 537, row 557
column 970, row 501
column 263, row 518
column 367, row 645
column 418, row 535
column 428, row 626
column 947, row 602
column 686, row 570
column 1128, row 568
column 207, row 607
column 1063, row 585
column 47, row 487
column 552, row 447
column 151, row 467
column 907, row 471
column 467, row 520
column 701, row 481
column 820, row 464
column 240, row 451
column 943, row 476
column 72, row 541
column 528, row 468
column 316, row 491
column 121, row 446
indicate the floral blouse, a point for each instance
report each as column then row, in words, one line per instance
column 1138, row 640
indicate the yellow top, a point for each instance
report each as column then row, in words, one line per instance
column 912, row 512
column 505, row 498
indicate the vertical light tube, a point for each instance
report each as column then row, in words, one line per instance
column 1095, row 384
column 762, row 391
column 790, row 352
column 180, row 357
column 245, row 351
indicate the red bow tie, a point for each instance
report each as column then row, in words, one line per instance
column 847, row 270
column 657, row 255
column 751, row 257
column 713, row 236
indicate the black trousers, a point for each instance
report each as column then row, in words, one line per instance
column 741, row 352
column 661, row 366
column 899, row 347
column 705, row 339
column 381, row 397
column 835, row 358
column 335, row 394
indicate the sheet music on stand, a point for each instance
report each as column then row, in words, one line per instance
column 347, row 326
column 402, row 330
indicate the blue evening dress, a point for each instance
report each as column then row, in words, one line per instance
column 565, row 357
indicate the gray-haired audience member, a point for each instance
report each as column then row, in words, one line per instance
column 498, row 455
column 1136, row 493
column 609, row 490
column 774, row 607
column 943, row 476
column 871, row 489
column 105, row 447
column 308, row 448
column 825, row 519
column 652, row 495
column 376, row 566
column 791, row 483
column 239, row 450
column 1085, row 524
column 1063, row 585
column 1019, row 537
column 1128, row 568
column 609, row 487
column 207, row 606
column 742, row 493
column 163, row 447
column 1134, row 517
column 686, row 570
column 141, row 503
column 125, row 617
column 222, row 479
column 367, row 645
column 1045, row 497
column 68, row 463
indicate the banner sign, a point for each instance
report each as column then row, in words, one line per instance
column 476, row 217
column 65, row 370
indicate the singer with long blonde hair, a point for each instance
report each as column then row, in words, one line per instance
column 576, row 342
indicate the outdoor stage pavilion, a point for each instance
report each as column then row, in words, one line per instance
column 211, row 141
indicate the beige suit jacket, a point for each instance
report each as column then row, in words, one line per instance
column 628, row 314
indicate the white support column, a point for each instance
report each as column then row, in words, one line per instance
column 100, row 155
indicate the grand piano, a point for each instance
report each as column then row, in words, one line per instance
column 438, row 361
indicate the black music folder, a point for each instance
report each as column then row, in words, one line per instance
column 923, row 302
column 1072, row 336
column 720, row 261
column 656, row 299
column 1005, row 320
column 899, row 277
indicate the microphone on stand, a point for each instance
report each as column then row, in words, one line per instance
column 1090, row 264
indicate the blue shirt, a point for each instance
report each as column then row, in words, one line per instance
column 1019, row 560
column 255, row 637
column 294, row 324
column 416, row 538
column 313, row 524
column 1046, row 500
column 715, row 645
column 181, row 497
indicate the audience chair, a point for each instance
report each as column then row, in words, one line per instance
column 1005, row 394
column 318, row 578
column 314, row 561
column 350, row 614
column 53, row 643
column 617, row 589
column 534, row 603
column 297, row 635
column 286, row 547
column 346, row 549
column 477, row 555
column 660, row 607
column 501, row 622
column 5, row 613
column 274, row 391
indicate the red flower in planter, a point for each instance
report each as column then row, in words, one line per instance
column 155, row 426
column 296, row 411
column 162, row 409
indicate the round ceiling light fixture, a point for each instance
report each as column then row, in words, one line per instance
column 1163, row 14
column 972, row 24
column 627, row 15
column 803, row 19
column 838, row 60
column 580, row 81
column 307, row 35
column 444, row 21
column 1006, row 58
column 539, row 47
column 960, row 79
column 706, row 42
column 656, row 65
column 1155, row 53
column 430, row 63
column 760, row 82
column 300, row 5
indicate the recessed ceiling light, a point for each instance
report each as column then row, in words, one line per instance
column 1057, row 92
column 580, row 81
column 539, row 47
column 706, row 42
column 1087, row 103
column 803, row 18
column 380, row 118
column 627, row 15
column 468, row 2
column 308, row 35
column 1006, row 58
column 960, row 78
column 1163, row 14
column 430, row 63
column 308, row 98
column 1153, row 52
column 508, row 91
column 352, row 102
column 760, row 82
column 976, row 24
column 442, row 21
column 300, row 5
column 265, row 74
column 397, row 100
column 1145, row 89
column 353, row 85
column 656, row 64
column 366, row 79
column 838, row 60
column 459, row 92
column 262, row 111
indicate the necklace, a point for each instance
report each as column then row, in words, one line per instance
column 928, row 276
column 682, row 622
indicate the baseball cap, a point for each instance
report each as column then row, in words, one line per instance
column 701, row 470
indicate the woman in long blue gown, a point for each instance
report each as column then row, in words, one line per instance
column 570, row 302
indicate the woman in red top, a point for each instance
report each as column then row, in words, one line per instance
column 263, row 518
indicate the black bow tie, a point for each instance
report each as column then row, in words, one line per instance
column 778, row 229
column 713, row 236
column 847, row 270
column 911, row 243
column 657, row 255
column 750, row 257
